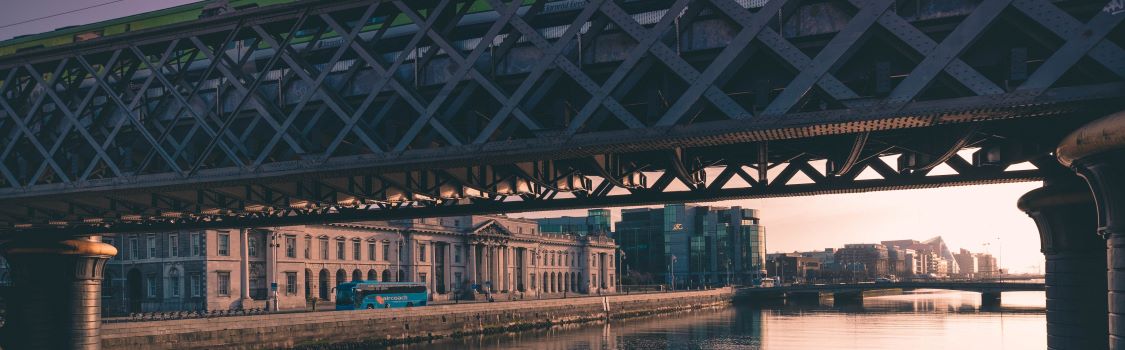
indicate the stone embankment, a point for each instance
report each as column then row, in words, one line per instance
column 323, row 330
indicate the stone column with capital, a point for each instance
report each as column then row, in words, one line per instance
column 1097, row 152
column 1064, row 212
column 244, row 265
column 472, row 264
column 56, row 293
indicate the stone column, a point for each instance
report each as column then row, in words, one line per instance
column 1097, row 152
column 1066, row 216
column 450, row 284
column 56, row 293
column 484, row 264
column 244, row 265
column 507, row 269
column 472, row 264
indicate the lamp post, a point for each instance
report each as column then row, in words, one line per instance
column 620, row 258
column 672, row 271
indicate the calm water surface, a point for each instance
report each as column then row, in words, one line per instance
column 917, row 321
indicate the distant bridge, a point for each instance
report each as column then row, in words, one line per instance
column 990, row 291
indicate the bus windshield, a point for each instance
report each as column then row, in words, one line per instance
column 344, row 295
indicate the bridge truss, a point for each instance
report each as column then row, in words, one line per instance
column 355, row 110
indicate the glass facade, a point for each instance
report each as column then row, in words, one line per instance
column 694, row 245
column 596, row 221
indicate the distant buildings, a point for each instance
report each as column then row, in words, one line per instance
column 987, row 266
column 793, row 267
column 288, row 266
column 906, row 258
column 692, row 245
column 967, row 263
column 867, row 260
column 596, row 221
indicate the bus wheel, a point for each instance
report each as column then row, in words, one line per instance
column 386, row 306
column 410, row 304
column 369, row 306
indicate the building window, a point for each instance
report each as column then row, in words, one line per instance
column 194, row 244
column 308, row 247
column 224, row 244
column 173, row 245
column 422, row 252
column 457, row 254
column 356, row 251
column 594, row 260
column 252, row 247
column 134, row 248
column 196, row 286
column 151, row 242
column 290, row 283
column 223, row 278
column 290, row 246
column 323, row 249
column 422, row 277
column 386, row 251
column 150, row 283
column 371, row 251
column 457, row 278
column 593, row 280
column 340, row 250
column 532, row 281
column 174, row 283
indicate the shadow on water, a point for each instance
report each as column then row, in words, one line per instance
column 918, row 319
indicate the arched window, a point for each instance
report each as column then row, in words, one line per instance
column 174, row 283
column 341, row 276
column 323, row 284
column 372, row 275
column 357, row 276
column 386, row 275
column 401, row 275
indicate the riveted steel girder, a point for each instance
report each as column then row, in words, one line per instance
column 347, row 110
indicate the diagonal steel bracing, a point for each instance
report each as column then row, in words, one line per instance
column 342, row 110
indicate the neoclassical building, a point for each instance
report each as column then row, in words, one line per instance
column 230, row 269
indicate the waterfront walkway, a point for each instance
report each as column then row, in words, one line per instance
column 384, row 326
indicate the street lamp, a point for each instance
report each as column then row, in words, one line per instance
column 672, row 271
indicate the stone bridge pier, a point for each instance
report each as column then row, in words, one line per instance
column 55, row 299
column 1064, row 212
column 1096, row 151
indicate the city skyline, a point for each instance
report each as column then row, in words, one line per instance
column 990, row 213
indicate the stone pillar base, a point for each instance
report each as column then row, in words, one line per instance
column 56, row 293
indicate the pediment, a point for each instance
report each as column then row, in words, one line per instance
column 491, row 228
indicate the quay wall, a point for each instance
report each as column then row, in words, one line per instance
column 319, row 330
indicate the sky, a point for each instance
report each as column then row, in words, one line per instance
column 966, row 217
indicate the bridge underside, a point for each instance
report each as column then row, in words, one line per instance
column 335, row 111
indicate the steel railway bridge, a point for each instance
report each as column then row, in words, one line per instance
column 329, row 111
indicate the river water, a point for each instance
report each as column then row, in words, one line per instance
column 920, row 320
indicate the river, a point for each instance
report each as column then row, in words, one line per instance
column 920, row 320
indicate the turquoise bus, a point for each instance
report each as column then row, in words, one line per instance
column 380, row 295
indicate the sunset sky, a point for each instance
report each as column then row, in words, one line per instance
column 967, row 217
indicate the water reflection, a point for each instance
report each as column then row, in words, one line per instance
column 916, row 321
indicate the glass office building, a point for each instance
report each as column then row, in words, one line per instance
column 692, row 245
column 596, row 221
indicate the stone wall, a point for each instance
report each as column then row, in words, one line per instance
column 373, row 327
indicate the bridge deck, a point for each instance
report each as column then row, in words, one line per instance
column 373, row 109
